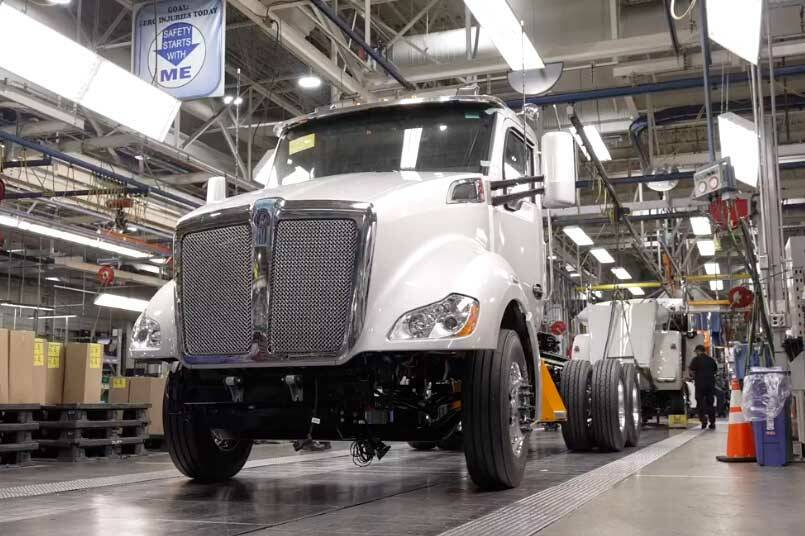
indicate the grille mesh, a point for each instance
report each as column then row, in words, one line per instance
column 312, row 289
column 217, row 291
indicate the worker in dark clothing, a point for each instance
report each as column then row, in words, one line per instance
column 703, row 368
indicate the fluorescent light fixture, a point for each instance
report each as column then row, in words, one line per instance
column 228, row 99
column 51, row 317
column 602, row 255
column 707, row 248
column 637, row 291
column 48, row 59
column 739, row 142
column 238, row 101
column 736, row 25
column 309, row 82
column 621, row 273
column 577, row 235
column 150, row 268
column 575, row 275
column 701, row 226
column 599, row 147
column 570, row 268
column 50, row 232
column 410, row 148
column 52, row 279
column 23, row 306
column 716, row 285
column 712, row 268
column 506, row 32
column 442, row 128
column 121, row 302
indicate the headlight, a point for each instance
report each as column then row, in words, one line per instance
column 454, row 316
column 146, row 334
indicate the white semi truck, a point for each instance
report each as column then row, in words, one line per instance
column 385, row 285
column 650, row 335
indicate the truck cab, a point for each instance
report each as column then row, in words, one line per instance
column 385, row 285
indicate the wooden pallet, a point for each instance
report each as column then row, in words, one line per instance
column 74, row 432
column 17, row 427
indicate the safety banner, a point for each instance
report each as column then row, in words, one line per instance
column 179, row 46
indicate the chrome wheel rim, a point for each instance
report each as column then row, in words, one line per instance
column 636, row 409
column 621, row 406
column 516, row 420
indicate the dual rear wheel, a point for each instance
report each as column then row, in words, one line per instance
column 603, row 405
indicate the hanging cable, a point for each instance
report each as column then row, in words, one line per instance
column 683, row 15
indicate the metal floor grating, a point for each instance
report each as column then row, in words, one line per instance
column 532, row 514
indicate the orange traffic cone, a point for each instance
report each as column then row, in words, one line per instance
column 740, row 438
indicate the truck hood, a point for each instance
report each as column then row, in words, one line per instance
column 371, row 187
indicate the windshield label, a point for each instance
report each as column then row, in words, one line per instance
column 302, row 144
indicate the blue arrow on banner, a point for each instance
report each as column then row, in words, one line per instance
column 177, row 43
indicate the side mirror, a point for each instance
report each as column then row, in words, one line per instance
column 559, row 169
column 216, row 189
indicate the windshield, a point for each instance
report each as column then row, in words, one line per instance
column 442, row 137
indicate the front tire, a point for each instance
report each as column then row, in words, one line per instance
column 192, row 446
column 495, row 430
column 609, row 405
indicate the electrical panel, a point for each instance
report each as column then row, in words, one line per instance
column 714, row 179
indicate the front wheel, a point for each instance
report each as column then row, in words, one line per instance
column 195, row 450
column 496, row 410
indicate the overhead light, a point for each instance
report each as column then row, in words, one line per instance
column 570, row 268
column 51, row 317
column 707, row 248
column 309, row 81
column 47, row 58
column 52, row 279
column 736, row 25
column 158, row 260
column 228, row 99
column 621, row 273
column 50, row 232
column 637, row 291
column 121, row 302
column 701, row 226
column 23, row 306
column 595, row 139
column 577, row 235
column 442, row 127
column 575, row 275
column 151, row 269
column 739, row 141
column 712, row 268
column 238, row 101
column 506, row 32
column 716, row 285
column 60, row 2
column 602, row 255
column 410, row 148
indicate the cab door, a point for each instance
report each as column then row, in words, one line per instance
column 517, row 226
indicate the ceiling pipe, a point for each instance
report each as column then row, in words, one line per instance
column 643, row 89
column 97, row 170
column 389, row 67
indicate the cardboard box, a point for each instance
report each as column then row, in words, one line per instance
column 21, row 368
column 54, row 384
column 3, row 366
column 83, row 368
column 151, row 391
column 40, row 372
column 119, row 390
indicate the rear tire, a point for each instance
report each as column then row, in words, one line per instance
column 495, row 444
column 575, row 390
column 190, row 442
column 422, row 445
column 634, row 408
column 609, row 405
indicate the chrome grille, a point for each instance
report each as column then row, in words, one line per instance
column 216, row 288
column 312, row 285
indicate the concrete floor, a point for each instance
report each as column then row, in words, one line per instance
column 409, row 492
